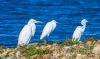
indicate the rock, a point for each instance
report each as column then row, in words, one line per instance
column 61, row 54
column 84, row 56
column 12, row 54
column 3, row 57
column 96, row 50
column 97, row 43
column 33, row 57
column 89, row 42
column 91, row 58
column 4, row 54
column 47, row 56
column 63, row 57
column 49, row 46
column 66, row 48
column 68, row 55
column 8, row 52
column 11, row 57
column 55, row 55
column 37, row 47
column 36, row 57
column 79, row 56
column 22, row 57
column 43, row 47
column 97, row 57
column 33, row 44
column 56, row 47
column 18, row 53
column 53, row 47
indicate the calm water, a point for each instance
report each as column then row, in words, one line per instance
column 14, row 14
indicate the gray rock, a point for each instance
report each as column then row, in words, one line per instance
column 11, row 57
column 3, row 57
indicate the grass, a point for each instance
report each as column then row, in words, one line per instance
column 92, row 39
column 69, row 42
column 28, row 52
column 32, row 51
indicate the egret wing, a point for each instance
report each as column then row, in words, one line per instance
column 47, row 29
column 77, row 33
column 53, row 26
column 25, row 35
column 33, row 29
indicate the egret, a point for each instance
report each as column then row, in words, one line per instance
column 49, row 27
column 79, row 30
column 27, row 32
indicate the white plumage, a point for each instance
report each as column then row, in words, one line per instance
column 27, row 32
column 25, row 35
column 49, row 27
column 79, row 30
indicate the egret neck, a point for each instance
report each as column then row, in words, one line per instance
column 83, row 26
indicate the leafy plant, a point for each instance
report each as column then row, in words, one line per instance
column 56, row 42
column 68, row 42
column 33, row 51
column 91, row 39
column 46, row 41
column 91, row 47
column 76, row 41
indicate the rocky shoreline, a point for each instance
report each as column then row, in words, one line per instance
column 88, row 50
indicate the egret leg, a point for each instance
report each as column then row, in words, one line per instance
column 46, row 41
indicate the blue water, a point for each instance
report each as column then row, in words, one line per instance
column 14, row 14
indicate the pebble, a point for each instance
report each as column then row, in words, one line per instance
column 79, row 56
column 11, row 57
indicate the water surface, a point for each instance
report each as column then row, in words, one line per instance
column 14, row 14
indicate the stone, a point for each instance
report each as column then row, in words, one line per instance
column 18, row 53
column 84, row 56
column 97, row 57
column 11, row 57
column 89, row 42
column 96, row 50
column 46, row 56
column 79, row 56
column 97, row 43
column 12, row 54
column 66, row 48
column 68, row 55
column 49, row 46
column 55, row 55
column 43, row 47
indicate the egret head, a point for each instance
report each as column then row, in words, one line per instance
column 54, row 21
column 84, row 21
column 34, row 21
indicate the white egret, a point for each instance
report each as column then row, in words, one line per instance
column 27, row 32
column 49, row 27
column 79, row 30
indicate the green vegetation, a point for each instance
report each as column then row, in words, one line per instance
column 92, row 39
column 76, row 42
column 32, row 51
column 69, row 42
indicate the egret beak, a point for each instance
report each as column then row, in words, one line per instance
column 39, row 22
column 56, row 22
column 87, row 21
